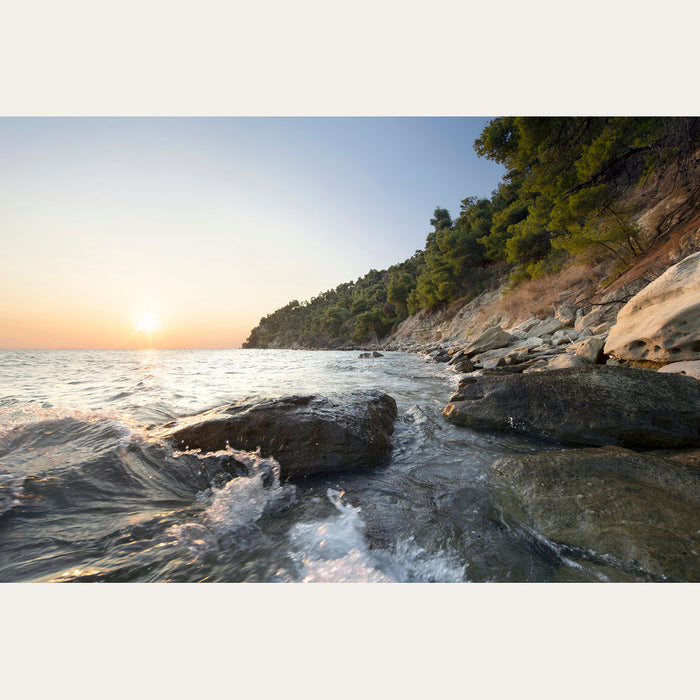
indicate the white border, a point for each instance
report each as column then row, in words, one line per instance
column 360, row 58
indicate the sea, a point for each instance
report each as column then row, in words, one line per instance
column 87, row 493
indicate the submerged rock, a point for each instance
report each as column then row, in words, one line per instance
column 637, row 512
column 305, row 434
column 587, row 405
column 661, row 323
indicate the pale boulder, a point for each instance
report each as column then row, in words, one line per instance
column 549, row 325
column 492, row 354
column 491, row 339
column 525, row 326
column 564, row 336
column 566, row 314
column 662, row 322
column 527, row 343
column 692, row 369
column 590, row 349
column 594, row 318
column 563, row 361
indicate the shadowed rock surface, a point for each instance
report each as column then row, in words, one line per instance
column 588, row 405
column 638, row 512
column 305, row 434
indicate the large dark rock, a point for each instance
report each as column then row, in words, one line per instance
column 305, row 434
column 636, row 512
column 589, row 405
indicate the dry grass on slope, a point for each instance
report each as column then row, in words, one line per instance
column 540, row 297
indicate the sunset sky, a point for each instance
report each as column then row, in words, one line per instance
column 209, row 224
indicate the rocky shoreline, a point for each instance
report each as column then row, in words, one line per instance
column 628, row 385
column 616, row 393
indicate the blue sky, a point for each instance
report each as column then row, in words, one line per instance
column 210, row 223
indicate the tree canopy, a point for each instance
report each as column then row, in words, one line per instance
column 562, row 195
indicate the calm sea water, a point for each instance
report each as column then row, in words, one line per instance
column 87, row 495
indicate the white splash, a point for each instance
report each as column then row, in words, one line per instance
column 238, row 504
column 335, row 550
column 10, row 491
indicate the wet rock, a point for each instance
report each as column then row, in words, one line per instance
column 692, row 369
column 491, row 339
column 438, row 354
column 463, row 365
column 662, row 322
column 456, row 356
column 305, row 434
column 587, row 405
column 637, row 512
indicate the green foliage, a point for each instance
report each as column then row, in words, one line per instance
column 562, row 195
column 453, row 254
column 354, row 312
column 565, row 180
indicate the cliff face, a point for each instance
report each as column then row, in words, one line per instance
column 668, row 216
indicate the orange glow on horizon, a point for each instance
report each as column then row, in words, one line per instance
column 33, row 330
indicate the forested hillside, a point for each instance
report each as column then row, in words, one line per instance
column 565, row 195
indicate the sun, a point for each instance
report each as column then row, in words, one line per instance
column 147, row 323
